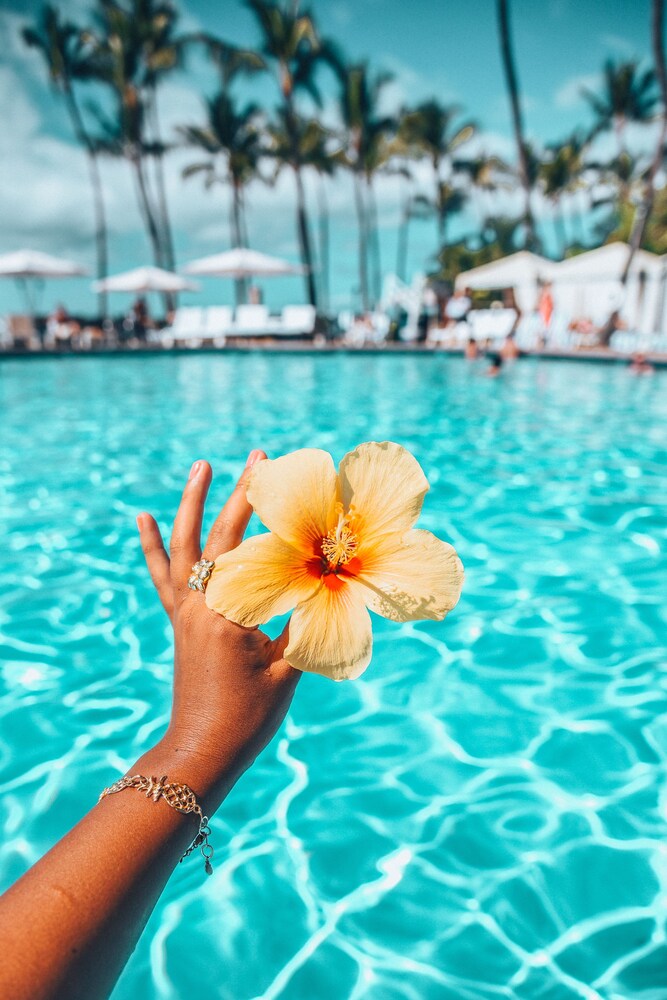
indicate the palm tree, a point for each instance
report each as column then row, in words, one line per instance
column 368, row 152
column 134, row 47
column 573, row 152
column 511, row 80
column 555, row 178
column 430, row 129
column 118, row 56
column 450, row 200
column 162, row 49
column 485, row 175
column 232, row 139
column 638, row 105
column 230, row 60
column 317, row 154
column 628, row 95
column 645, row 206
column 292, row 47
column 67, row 60
column 503, row 231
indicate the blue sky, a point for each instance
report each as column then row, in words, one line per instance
column 447, row 49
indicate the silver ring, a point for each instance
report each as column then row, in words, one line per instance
column 200, row 575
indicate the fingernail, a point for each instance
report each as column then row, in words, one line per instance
column 138, row 520
column 194, row 470
column 253, row 457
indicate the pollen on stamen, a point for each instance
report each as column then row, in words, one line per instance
column 340, row 544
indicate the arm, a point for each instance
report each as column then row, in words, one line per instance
column 71, row 922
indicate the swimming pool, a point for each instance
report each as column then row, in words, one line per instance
column 484, row 813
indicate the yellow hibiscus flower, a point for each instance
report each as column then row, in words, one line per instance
column 339, row 543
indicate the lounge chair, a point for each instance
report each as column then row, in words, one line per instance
column 624, row 342
column 298, row 320
column 251, row 321
column 22, row 332
column 217, row 323
column 187, row 327
column 6, row 341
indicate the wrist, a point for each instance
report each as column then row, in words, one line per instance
column 208, row 778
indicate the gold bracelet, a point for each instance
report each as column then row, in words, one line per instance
column 179, row 797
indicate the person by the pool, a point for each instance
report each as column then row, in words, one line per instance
column 70, row 923
column 545, row 308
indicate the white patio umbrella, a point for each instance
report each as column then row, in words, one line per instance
column 26, row 265
column 145, row 279
column 242, row 263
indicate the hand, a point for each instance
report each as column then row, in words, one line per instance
column 232, row 686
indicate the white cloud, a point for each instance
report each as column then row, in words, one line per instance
column 409, row 86
column 620, row 45
column 569, row 94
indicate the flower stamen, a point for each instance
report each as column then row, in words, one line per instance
column 339, row 544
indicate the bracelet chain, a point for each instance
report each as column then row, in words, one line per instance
column 179, row 797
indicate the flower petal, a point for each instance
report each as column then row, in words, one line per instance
column 331, row 634
column 410, row 578
column 386, row 486
column 259, row 579
column 295, row 496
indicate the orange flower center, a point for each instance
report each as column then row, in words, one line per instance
column 336, row 555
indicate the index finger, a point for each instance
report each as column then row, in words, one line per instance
column 230, row 524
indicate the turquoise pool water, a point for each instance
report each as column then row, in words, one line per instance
column 484, row 814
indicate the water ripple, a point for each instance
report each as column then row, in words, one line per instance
column 484, row 815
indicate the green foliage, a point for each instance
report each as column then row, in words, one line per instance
column 619, row 222
column 628, row 94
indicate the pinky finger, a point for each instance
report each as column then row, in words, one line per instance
column 157, row 560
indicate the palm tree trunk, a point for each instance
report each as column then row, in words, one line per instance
column 479, row 208
column 438, row 210
column 374, row 241
column 560, row 230
column 101, row 235
column 147, row 210
column 148, row 215
column 643, row 210
column 517, row 120
column 363, row 242
column 243, row 218
column 163, row 206
column 240, row 289
column 304, row 239
column 402, row 245
column 441, row 215
column 167, row 240
column 324, row 245
column 579, row 214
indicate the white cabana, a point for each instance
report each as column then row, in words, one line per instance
column 588, row 286
column 521, row 271
column 242, row 263
column 145, row 279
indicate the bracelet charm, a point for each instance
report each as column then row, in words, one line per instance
column 180, row 797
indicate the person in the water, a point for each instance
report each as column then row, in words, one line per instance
column 495, row 365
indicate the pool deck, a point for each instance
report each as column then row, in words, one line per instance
column 307, row 347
